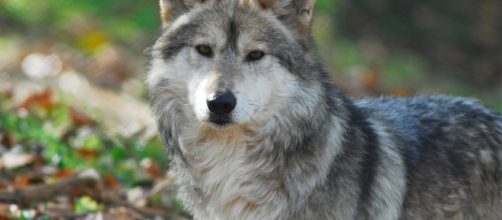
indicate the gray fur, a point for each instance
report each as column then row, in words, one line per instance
column 320, row 155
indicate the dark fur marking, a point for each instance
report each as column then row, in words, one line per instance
column 370, row 160
column 232, row 36
column 177, row 40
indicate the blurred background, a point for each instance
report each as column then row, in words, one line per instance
column 76, row 130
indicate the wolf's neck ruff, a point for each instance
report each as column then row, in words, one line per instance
column 256, row 173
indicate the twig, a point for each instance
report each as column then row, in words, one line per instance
column 88, row 179
column 88, row 182
column 111, row 199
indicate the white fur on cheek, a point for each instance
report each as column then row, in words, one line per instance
column 186, row 77
column 255, row 91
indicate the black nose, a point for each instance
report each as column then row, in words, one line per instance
column 221, row 102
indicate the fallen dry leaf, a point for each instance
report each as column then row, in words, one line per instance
column 79, row 118
column 4, row 210
column 87, row 153
column 3, row 184
column 401, row 91
column 42, row 99
column 61, row 173
column 22, row 180
column 151, row 168
column 123, row 213
column 370, row 80
column 7, row 140
column 111, row 181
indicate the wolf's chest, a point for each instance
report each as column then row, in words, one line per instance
column 233, row 184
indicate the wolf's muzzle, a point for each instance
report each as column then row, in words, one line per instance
column 221, row 104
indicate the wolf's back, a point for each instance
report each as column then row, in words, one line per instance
column 452, row 149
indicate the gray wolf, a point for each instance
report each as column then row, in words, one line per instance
column 256, row 130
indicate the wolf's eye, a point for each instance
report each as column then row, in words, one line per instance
column 204, row 50
column 255, row 55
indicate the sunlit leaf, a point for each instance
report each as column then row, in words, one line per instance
column 93, row 142
column 92, row 41
column 86, row 204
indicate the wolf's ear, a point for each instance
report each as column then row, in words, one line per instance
column 295, row 13
column 171, row 9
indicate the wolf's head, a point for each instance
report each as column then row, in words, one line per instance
column 229, row 63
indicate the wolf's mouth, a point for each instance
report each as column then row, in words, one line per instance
column 220, row 119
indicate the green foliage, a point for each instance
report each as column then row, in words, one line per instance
column 404, row 70
column 25, row 215
column 120, row 19
column 326, row 5
column 65, row 145
column 348, row 55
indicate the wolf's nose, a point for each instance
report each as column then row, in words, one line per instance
column 221, row 102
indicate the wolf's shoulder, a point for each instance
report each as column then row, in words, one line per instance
column 436, row 121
